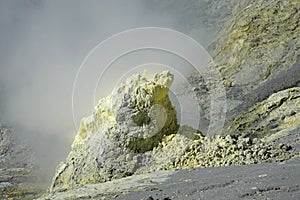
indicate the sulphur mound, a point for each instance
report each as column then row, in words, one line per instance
column 111, row 142
column 135, row 131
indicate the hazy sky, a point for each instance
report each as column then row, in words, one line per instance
column 42, row 44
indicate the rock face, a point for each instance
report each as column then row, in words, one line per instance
column 11, row 153
column 5, row 141
column 280, row 112
column 134, row 131
column 257, row 45
column 256, row 49
column 201, row 19
column 276, row 118
column 111, row 142
column 269, row 131
column 253, row 139
column 16, row 168
column 105, row 147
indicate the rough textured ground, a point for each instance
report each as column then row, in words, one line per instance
column 257, row 54
column 263, row 181
column 101, row 153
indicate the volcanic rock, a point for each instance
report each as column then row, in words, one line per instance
column 16, row 168
column 111, row 143
column 255, row 51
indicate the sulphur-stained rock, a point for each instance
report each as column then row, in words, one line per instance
column 255, row 51
column 258, row 42
column 111, row 143
column 134, row 130
column 276, row 119
column 188, row 148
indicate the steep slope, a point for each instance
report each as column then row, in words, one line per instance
column 257, row 54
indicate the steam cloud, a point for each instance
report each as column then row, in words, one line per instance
column 42, row 44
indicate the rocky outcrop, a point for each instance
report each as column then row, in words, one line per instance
column 5, row 142
column 111, row 143
column 256, row 49
column 277, row 118
column 134, row 130
column 12, row 153
column 257, row 54
column 259, row 42
column 268, row 132
column 259, row 140
column 16, row 168
column 103, row 150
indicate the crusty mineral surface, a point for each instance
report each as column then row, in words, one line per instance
column 111, row 142
column 257, row 54
column 279, row 112
column 134, row 130
column 252, row 139
column 118, row 141
column 269, row 131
